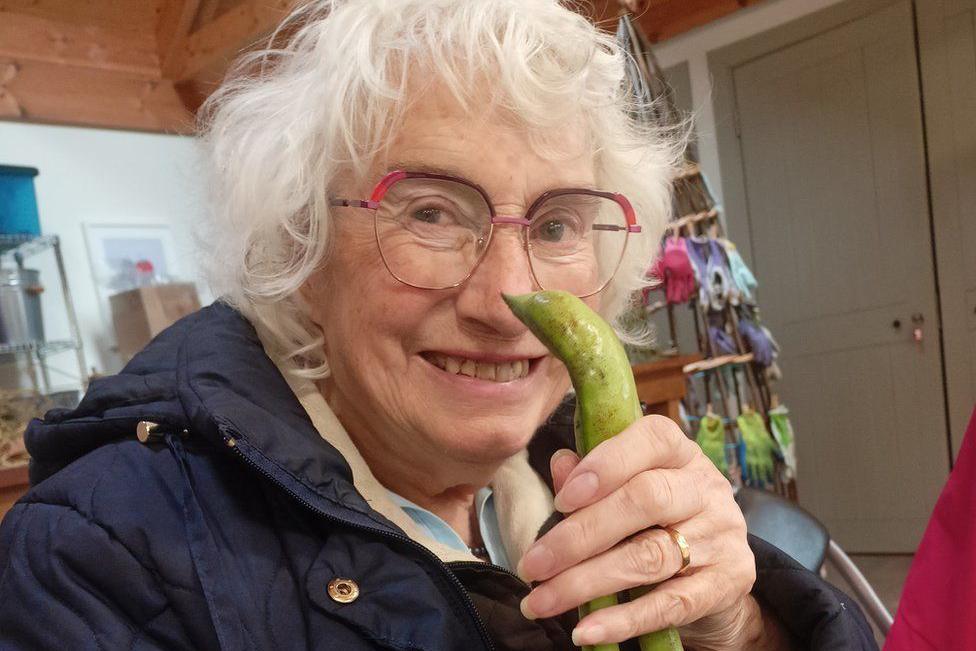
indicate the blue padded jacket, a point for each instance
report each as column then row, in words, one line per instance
column 225, row 529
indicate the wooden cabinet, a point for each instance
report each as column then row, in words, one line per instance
column 13, row 484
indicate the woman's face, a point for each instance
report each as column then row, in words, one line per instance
column 388, row 344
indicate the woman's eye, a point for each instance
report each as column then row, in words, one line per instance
column 557, row 230
column 428, row 215
column 552, row 231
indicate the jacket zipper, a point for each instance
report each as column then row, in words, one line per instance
column 489, row 566
column 482, row 629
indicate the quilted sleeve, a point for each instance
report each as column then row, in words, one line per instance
column 67, row 583
column 812, row 610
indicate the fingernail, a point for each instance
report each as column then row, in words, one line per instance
column 538, row 603
column 577, row 492
column 583, row 635
column 536, row 562
column 560, row 453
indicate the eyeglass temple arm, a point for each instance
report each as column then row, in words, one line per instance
column 354, row 203
column 631, row 228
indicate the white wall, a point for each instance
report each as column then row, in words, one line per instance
column 694, row 47
column 105, row 177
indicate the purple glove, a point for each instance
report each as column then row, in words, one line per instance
column 759, row 343
column 722, row 342
column 698, row 254
column 674, row 269
column 712, row 270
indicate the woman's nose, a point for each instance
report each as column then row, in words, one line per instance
column 505, row 268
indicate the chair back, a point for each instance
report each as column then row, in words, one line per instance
column 785, row 525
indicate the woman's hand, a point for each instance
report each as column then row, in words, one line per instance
column 650, row 474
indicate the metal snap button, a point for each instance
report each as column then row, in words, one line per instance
column 343, row 591
column 146, row 431
column 149, row 432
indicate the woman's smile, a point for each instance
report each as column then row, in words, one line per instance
column 489, row 380
column 490, row 368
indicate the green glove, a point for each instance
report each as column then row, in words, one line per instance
column 711, row 438
column 779, row 422
column 759, row 448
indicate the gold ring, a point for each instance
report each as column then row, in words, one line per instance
column 683, row 546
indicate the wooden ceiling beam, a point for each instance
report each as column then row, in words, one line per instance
column 197, row 89
column 175, row 18
column 132, row 15
column 664, row 19
column 27, row 37
column 219, row 42
column 38, row 91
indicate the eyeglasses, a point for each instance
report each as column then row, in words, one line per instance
column 433, row 230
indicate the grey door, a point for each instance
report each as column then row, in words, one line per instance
column 833, row 171
column 953, row 103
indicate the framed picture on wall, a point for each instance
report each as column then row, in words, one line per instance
column 124, row 256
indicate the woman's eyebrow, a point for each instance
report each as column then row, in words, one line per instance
column 426, row 168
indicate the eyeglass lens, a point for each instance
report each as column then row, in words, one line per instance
column 433, row 232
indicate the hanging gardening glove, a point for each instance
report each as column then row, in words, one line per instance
column 722, row 341
column 719, row 278
column 773, row 372
column 711, row 439
column 673, row 268
column 779, row 422
column 760, row 446
column 772, row 341
column 742, row 276
column 698, row 254
column 763, row 350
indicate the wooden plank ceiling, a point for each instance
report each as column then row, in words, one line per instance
column 150, row 64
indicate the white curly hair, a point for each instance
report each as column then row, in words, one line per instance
column 332, row 86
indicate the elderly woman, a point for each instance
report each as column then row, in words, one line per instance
column 354, row 448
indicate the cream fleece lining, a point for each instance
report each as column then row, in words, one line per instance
column 523, row 502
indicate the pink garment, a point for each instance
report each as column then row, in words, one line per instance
column 938, row 603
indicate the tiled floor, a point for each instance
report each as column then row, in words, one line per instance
column 885, row 573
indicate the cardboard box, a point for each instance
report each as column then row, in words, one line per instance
column 142, row 313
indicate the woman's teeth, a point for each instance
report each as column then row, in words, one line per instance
column 494, row 372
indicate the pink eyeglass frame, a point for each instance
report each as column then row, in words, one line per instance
column 388, row 180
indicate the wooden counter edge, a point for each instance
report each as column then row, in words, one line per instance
column 16, row 476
